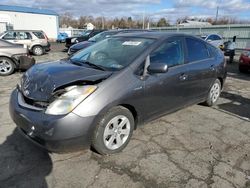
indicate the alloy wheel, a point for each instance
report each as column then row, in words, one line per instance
column 5, row 66
column 116, row 132
column 215, row 92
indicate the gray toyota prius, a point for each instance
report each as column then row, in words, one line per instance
column 100, row 95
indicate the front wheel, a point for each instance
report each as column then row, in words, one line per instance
column 214, row 93
column 7, row 66
column 37, row 50
column 113, row 131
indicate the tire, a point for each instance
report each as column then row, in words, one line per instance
column 110, row 136
column 37, row 50
column 7, row 66
column 214, row 93
column 242, row 70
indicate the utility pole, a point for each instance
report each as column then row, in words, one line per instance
column 217, row 13
column 143, row 20
column 102, row 22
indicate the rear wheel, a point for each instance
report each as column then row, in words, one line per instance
column 114, row 131
column 7, row 66
column 214, row 93
column 242, row 70
column 37, row 50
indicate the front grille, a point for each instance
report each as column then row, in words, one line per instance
column 39, row 104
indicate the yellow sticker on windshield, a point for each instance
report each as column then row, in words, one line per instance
column 131, row 43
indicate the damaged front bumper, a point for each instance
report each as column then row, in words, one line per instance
column 58, row 133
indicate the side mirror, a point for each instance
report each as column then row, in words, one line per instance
column 209, row 40
column 157, row 68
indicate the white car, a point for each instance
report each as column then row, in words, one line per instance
column 214, row 39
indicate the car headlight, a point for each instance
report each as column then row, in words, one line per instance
column 70, row 100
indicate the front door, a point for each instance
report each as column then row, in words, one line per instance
column 11, row 36
column 165, row 92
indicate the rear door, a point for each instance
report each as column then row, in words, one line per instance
column 24, row 38
column 200, row 69
column 166, row 92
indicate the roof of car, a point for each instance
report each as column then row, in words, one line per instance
column 27, row 10
column 26, row 30
column 207, row 34
column 125, row 30
column 153, row 35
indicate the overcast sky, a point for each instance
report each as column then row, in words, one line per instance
column 171, row 9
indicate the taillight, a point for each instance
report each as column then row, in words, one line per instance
column 46, row 36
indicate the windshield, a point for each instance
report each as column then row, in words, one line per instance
column 113, row 53
column 3, row 33
column 86, row 33
column 101, row 36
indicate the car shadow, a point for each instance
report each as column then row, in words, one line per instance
column 233, row 71
column 237, row 104
column 22, row 163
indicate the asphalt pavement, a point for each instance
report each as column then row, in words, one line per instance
column 198, row 146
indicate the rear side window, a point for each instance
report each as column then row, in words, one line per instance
column 39, row 35
column 24, row 36
column 196, row 50
column 170, row 53
column 216, row 37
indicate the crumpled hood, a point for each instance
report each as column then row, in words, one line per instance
column 82, row 45
column 39, row 82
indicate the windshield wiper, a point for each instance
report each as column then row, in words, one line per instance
column 94, row 65
column 81, row 62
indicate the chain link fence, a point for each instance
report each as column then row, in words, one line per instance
column 241, row 31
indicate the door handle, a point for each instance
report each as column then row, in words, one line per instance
column 183, row 77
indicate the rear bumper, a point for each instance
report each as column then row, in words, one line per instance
column 55, row 133
column 47, row 47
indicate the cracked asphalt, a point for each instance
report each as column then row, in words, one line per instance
column 194, row 147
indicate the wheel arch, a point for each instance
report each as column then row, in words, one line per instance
column 133, row 111
column 221, row 81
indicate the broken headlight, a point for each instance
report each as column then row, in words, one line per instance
column 68, row 101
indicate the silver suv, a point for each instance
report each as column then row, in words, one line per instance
column 36, row 41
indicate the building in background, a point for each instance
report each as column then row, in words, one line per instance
column 191, row 23
column 26, row 18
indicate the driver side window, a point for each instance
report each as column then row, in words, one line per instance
column 170, row 52
column 11, row 35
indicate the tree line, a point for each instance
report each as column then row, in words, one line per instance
column 67, row 20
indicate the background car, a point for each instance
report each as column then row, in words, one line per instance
column 62, row 37
column 13, row 57
column 214, row 39
column 83, row 37
column 99, row 37
column 36, row 41
column 244, row 62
